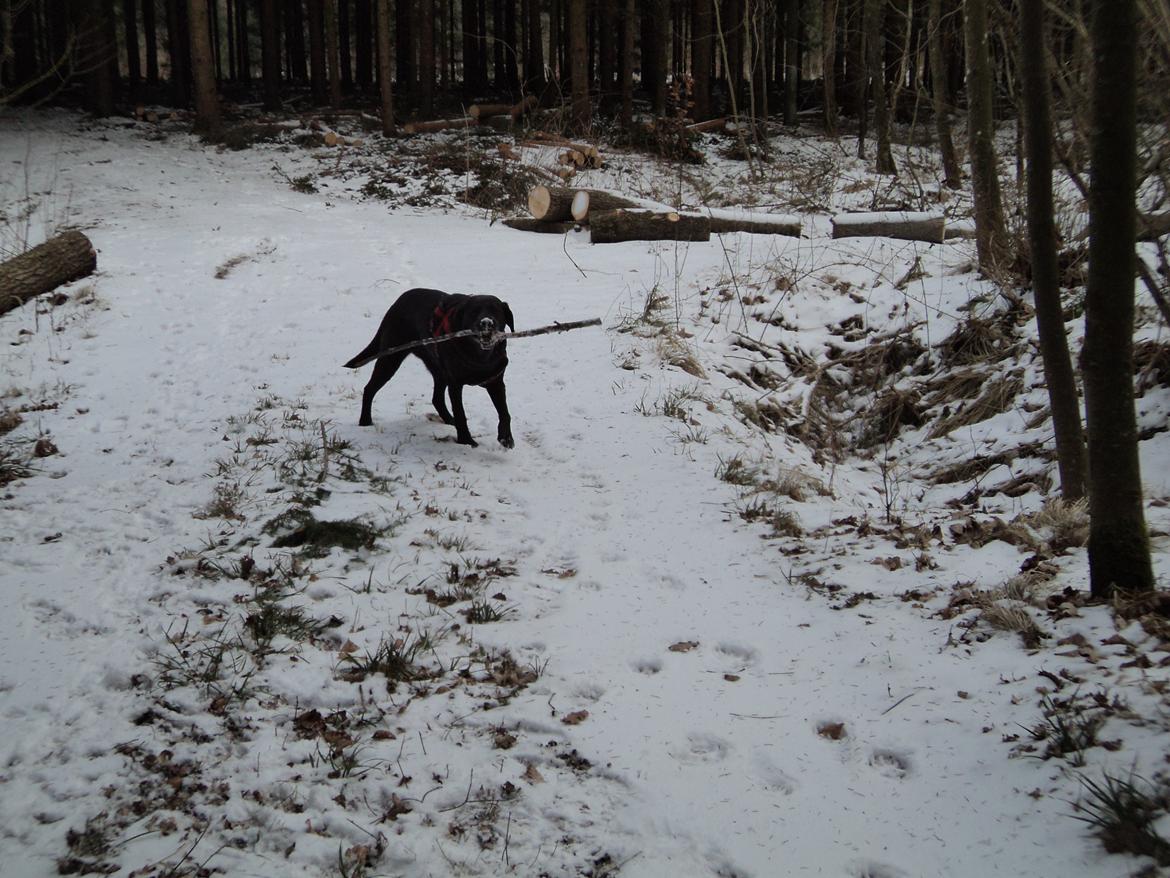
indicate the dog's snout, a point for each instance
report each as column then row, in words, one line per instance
column 487, row 325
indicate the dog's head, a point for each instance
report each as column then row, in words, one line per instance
column 488, row 316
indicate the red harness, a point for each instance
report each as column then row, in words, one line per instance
column 441, row 322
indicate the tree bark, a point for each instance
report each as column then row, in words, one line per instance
column 1058, row 369
column 628, row 66
column 579, row 73
column 426, row 57
column 991, row 242
column 527, row 224
column 318, row 76
column 385, row 67
column 791, row 66
column 829, row 64
column 702, row 54
column 903, row 226
column 207, row 119
column 332, row 50
column 270, row 52
column 1119, row 548
column 615, row 226
column 875, row 20
column 940, row 95
column 150, row 34
column 363, row 66
column 439, row 125
column 534, row 55
column 723, row 221
column 133, row 59
column 589, row 201
column 45, row 267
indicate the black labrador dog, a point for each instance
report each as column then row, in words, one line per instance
column 475, row 359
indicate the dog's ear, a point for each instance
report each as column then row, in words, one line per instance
column 509, row 320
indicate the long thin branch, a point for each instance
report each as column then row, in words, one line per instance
column 496, row 338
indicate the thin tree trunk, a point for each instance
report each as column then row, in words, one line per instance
column 534, row 56
column 990, row 233
column 298, row 68
column 660, row 24
column 243, row 47
column 702, row 49
column 363, row 71
column 385, row 67
column 628, row 65
column 207, row 120
column 133, row 59
column 426, row 57
column 470, row 49
column 791, row 67
column 1119, row 548
column 332, row 52
column 1058, row 369
column 318, row 76
column 607, row 37
column 179, row 49
column 150, row 34
column 345, row 55
column 940, row 95
column 579, row 76
column 875, row 20
column 829, row 64
column 270, row 52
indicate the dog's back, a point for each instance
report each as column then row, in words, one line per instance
column 408, row 319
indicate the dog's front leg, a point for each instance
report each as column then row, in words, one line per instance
column 500, row 400
column 462, row 434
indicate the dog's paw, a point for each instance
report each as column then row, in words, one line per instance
column 466, row 440
column 507, row 441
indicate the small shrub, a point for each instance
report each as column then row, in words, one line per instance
column 1123, row 813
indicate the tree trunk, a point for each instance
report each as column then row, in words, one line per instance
column 243, row 45
column 901, row 225
column 385, row 68
column 439, row 125
column 723, row 221
column 1058, row 370
column 1119, row 548
column 829, row 64
column 628, row 66
column 615, row 226
column 426, row 57
column 588, row 201
column 656, row 75
column 579, row 75
column 344, row 40
column 150, row 34
column 270, row 52
column 333, row 57
column 875, row 20
column 534, row 55
column 45, row 267
column 94, row 58
column 940, row 95
column 363, row 67
column 470, row 49
column 791, row 52
column 133, row 59
column 702, row 49
column 404, row 13
column 318, row 76
column 294, row 18
column 207, row 121
column 991, row 240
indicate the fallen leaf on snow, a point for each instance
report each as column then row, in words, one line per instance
column 832, row 731
column 684, row 646
column 575, row 718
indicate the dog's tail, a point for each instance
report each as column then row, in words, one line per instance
column 370, row 352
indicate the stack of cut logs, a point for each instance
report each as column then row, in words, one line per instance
column 613, row 218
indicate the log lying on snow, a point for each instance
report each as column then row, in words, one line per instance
column 439, row 125
column 45, row 267
column 587, row 200
column 755, row 223
column 527, row 224
column 550, row 204
column 903, row 225
column 709, row 125
column 615, row 226
column 515, row 111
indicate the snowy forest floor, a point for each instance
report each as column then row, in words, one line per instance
column 772, row 584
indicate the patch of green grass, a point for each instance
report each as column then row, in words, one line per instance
column 395, row 659
column 481, row 612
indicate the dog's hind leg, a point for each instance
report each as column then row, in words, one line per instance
column 499, row 397
column 462, row 434
column 384, row 369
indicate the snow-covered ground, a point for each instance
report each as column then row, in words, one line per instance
column 734, row 637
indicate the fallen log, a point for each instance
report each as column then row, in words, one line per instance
column 439, row 125
column 615, row 226
column 514, row 111
column 550, row 204
column 542, row 138
column 754, row 223
column 528, row 224
column 45, row 267
column 586, row 200
column 903, row 225
column 709, row 125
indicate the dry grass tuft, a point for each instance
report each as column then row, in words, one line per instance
column 976, row 340
column 997, row 397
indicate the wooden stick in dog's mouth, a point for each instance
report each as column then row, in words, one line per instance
column 486, row 340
